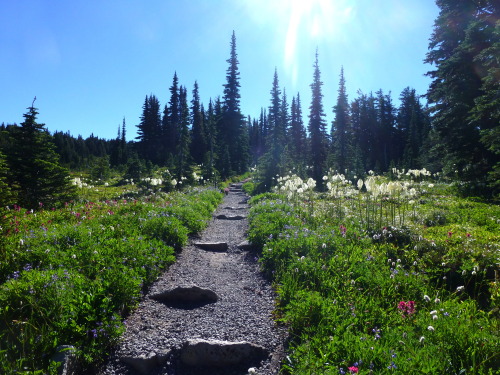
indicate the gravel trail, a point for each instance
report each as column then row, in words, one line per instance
column 243, row 311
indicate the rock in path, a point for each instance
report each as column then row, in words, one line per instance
column 212, row 246
column 230, row 217
column 188, row 294
column 215, row 353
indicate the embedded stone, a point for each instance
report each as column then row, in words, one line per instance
column 212, row 246
column 192, row 294
column 215, row 353
column 145, row 363
column 245, row 245
column 230, row 217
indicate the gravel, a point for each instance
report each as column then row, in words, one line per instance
column 243, row 312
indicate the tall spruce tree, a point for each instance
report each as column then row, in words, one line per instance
column 170, row 121
column 198, row 141
column 149, row 131
column 35, row 171
column 234, row 152
column 385, row 152
column 317, row 127
column 342, row 142
column 463, row 93
column 183, row 156
column 297, row 142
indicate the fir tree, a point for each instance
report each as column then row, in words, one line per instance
column 35, row 170
column 464, row 93
column 198, row 141
column 182, row 150
column 232, row 121
column 297, row 141
column 342, row 142
column 7, row 196
column 171, row 118
column 317, row 127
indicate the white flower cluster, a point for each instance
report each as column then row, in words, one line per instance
column 391, row 188
column 81, row 184
column 197, row 178
column 293, row 185
column 418, row 172
column 153, row 181
column 338, row 186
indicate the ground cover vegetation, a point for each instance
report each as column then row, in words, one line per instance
column 390, row 274
column 70, row 276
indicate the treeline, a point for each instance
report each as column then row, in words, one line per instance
column 456, row 133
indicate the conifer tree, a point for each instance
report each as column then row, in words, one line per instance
column 7, row 196
column 297, row 142
column 198, row 141
column 149, row 130
column 34, row 165
column 182, row 151
column 317, row 127
column 171, row 118
column 464, row 93
column 232, row 119
column 342, row 136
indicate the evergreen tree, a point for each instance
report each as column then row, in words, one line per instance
column 464, row 91
column 7, row 196
column 385, row 130
column 198, row 141
column 36, row 173
column 232, row 120
column 149, row 130
column 317, row 127
column 412, row 129
column 211, row 139
column 298, row 140
column 342, row 142
column 182, row 151
column 171, row 119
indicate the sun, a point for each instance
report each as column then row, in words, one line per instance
column 310, row 22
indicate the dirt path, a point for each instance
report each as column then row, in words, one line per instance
column 157, row 331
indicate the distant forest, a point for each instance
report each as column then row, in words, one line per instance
column 452, row 129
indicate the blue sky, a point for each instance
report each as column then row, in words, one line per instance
column 90, row 63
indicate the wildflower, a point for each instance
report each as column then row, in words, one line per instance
column 353, row 369
column 392, row 365
column 421, row 340
column 430, row 328
column 460, row 288
column 437, row 300
column 433, row 312
column 252, row 370
column 434, row 317
column 427, row 298
column 407, row 308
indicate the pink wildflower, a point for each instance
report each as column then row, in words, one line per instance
column 353, row 369
column 406, row 308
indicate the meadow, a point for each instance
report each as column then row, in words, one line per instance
column 390, row 274
column 71, row 275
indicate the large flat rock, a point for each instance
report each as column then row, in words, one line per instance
column 212, row 246
column 215, row 353
column 191, row 294
column 231, row 217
